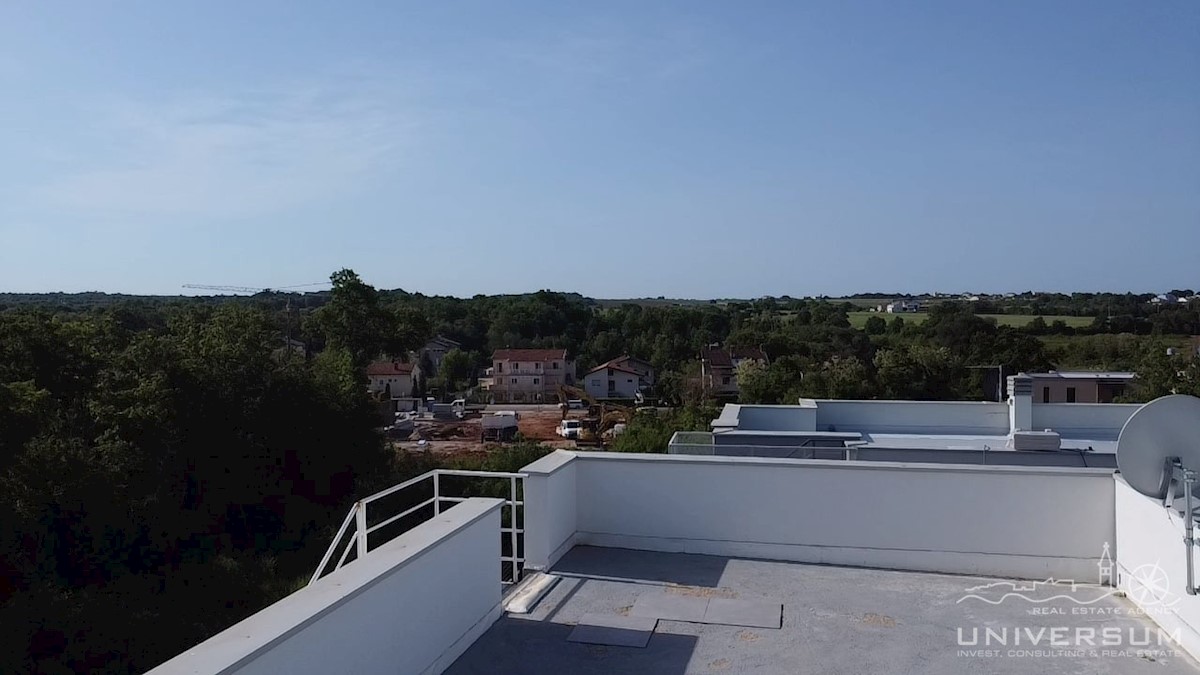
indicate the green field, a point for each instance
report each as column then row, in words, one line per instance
column 859, row 319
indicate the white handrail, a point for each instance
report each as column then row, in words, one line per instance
column 359, row 541
column 398, row 516
column 333, row 547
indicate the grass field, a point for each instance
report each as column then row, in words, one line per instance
column 859, row 319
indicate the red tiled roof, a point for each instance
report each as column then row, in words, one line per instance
column 716, row 357
column 626, row 359
column 748, row 353
column 389, row 368
column 529, row 354
column 606, row 366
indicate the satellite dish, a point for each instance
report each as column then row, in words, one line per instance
column 1160, row 434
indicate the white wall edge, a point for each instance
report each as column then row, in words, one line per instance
column 247, row 640
column 1169, row 621
column 464, row 642
column 937, row 562
column 567, row 545
column 842, row 465
column 550, row 463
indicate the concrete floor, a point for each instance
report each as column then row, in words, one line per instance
column 835, row 620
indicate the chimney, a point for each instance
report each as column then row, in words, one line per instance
column 1020, row 403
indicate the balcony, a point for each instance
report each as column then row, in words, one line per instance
column 699, row 564
column 530, row 372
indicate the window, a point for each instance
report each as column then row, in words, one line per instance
column 516, row 366
column 725, row 380
column 555, row 366
column 514, row 380
column 1045, row 394
column 499, row 366
column 1070, row 394
column 537, row 366
column 535, row 380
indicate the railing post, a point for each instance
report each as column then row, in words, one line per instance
column 512, row 517
column 361, row 526
column 437, row 495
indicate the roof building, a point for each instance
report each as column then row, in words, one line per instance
column 436, row 349
column 528, row 375
column 1080, row 386
column 394, row 377
column 668, row 563
column 622, row 378
column 718, row 368
column 1019, row 431
column 661, row 563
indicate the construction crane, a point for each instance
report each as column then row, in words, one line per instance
column 248, row 289
column 287, row 308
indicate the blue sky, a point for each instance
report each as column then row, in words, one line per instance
column 686, row 149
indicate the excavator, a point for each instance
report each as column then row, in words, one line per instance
column 602, row 415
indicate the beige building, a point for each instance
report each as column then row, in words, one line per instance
column 1063, row 386
column 528, row 375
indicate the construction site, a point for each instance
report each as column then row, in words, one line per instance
column 579, row 421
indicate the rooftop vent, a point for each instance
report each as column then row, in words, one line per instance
column 1020, row 385
column 1047, row 441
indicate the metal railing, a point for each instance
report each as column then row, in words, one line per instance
column 512, row 528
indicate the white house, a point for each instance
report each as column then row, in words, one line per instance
column 611, row 381
column 391, row 376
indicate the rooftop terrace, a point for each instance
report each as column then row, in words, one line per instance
column 699, row 564
column 834, row 620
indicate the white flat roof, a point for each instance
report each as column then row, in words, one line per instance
column 973, row 442
column 1084, row 375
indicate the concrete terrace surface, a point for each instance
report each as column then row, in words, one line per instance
column 835, row 620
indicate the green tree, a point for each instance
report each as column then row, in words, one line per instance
column 920, row 372
column 455, row 368
column 876, row 325
column 355, row 320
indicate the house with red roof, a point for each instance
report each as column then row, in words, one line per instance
column 393, row 377
column 528, row 375
column 718, row 368
column 622, row 377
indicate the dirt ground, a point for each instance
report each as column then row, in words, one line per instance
column 461, row 438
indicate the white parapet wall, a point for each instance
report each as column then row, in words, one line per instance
column 1021, row 522
column 1100, row 421
column 551, row 509
column 913, row 417
column 1152, row 565
column 411, row 606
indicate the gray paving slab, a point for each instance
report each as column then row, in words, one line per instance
column 751, row 613
column 613, row 630
column 670, row 606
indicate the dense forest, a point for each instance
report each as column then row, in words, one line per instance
column 170, row 465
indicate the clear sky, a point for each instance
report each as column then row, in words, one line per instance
column 617, row 149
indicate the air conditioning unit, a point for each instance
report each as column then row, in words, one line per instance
column 1048, row 440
